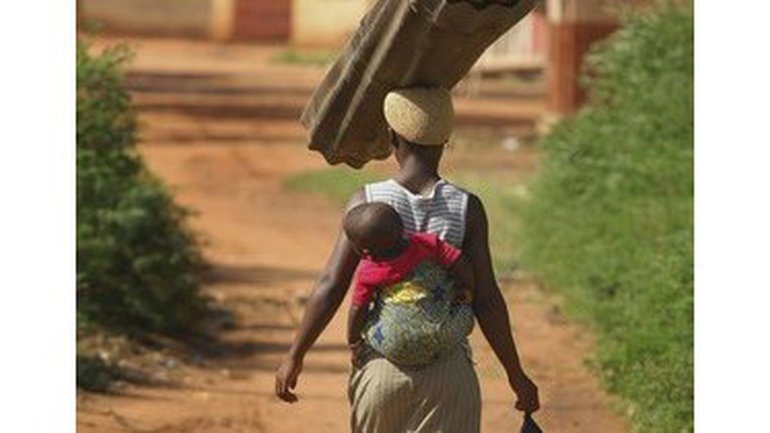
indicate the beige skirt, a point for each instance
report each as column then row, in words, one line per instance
column 442, row 397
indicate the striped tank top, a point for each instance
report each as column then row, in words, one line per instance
column 442, row 212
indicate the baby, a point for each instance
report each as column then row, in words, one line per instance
column 417, row 311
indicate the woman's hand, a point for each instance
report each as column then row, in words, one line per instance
column 526, row 393
column 286, row 379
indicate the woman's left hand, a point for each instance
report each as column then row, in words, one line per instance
column 526, row 391
column 286, row 379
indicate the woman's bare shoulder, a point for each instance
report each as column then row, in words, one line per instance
column 475, row 208
column 475, row 220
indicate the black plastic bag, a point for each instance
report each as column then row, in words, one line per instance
column 529, row 425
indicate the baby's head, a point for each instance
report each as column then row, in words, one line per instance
column 374, row 228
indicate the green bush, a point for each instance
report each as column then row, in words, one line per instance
column 611, row 217
column 94, row 374
column 137, row 264
column 105, row 120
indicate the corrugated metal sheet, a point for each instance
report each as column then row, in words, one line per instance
column 399, row 43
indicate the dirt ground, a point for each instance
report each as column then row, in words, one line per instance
column 266, row 246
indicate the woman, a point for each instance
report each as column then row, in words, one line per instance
column 443, row 396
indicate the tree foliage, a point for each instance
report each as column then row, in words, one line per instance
column 137, row 263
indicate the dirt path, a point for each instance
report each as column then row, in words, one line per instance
column 266, row 245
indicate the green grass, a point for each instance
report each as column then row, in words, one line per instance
column 337, row 183
column 610, row 224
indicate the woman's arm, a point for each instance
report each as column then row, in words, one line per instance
column 490, row 308
column 322, row 304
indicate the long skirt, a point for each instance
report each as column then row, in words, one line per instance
column 442, row 397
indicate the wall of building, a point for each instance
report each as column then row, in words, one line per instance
column 573, row 27
column 582, row 10
column 151, row 17
column 262, row 20
column 327, row 23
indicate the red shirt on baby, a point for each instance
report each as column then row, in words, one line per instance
column 374, row 274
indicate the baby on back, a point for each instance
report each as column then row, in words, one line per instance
column 411, row 299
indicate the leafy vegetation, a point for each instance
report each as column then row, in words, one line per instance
column 336, row 183
column 94, row 374
column 137, row 263
column 611, row 219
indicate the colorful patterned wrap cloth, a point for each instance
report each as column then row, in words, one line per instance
column 414, row 322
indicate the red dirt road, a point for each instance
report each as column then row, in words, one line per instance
column 267, row 245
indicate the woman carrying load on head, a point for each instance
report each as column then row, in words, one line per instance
column 442, row 396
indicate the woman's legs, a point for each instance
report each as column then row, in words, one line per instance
column 380, row 398
column 449, row 397
column 443, row 397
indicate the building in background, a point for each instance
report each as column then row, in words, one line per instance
column 573, row 26
column 257, row 20
column 554, row 38
column 523, row 48
column 325, row 23
column 309, row 23
column 174, row 18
